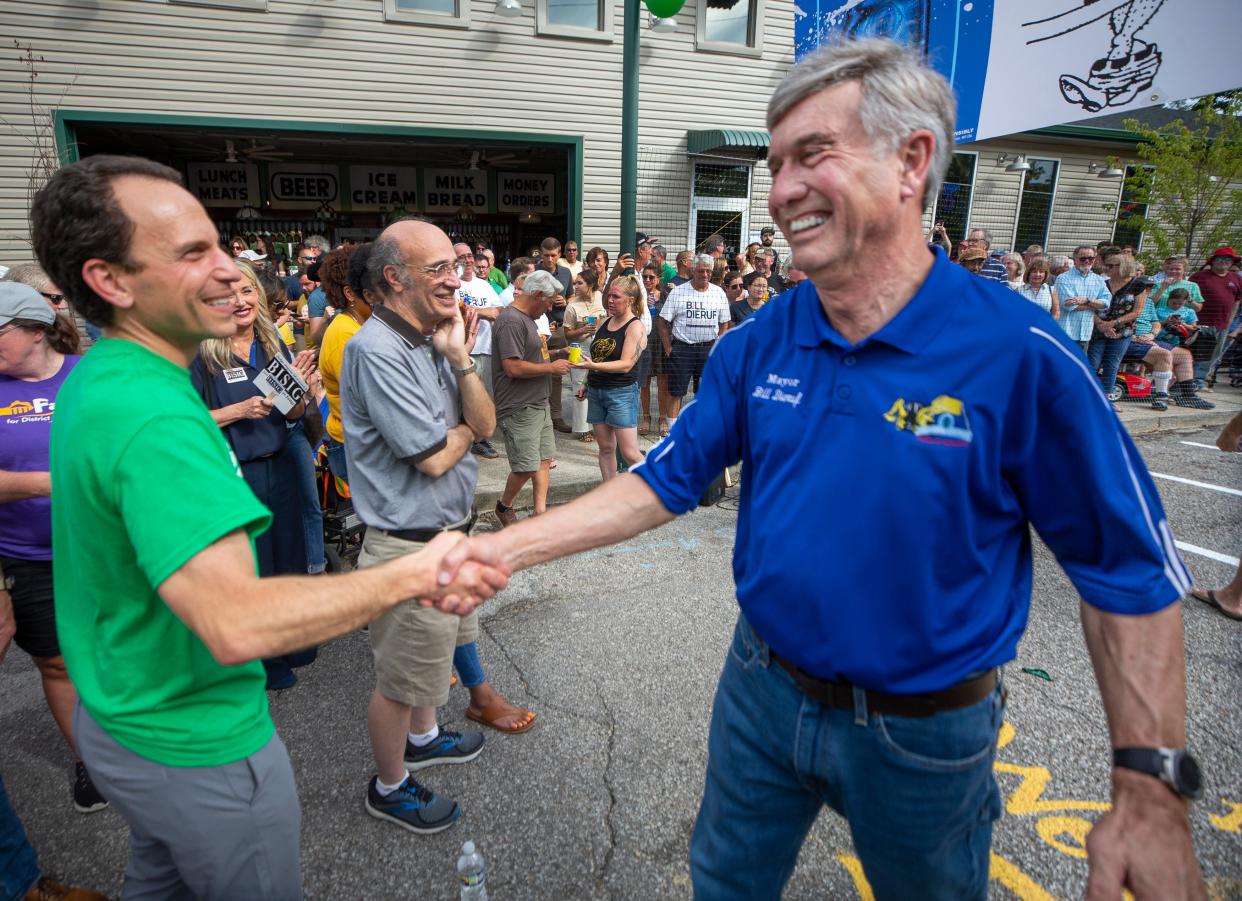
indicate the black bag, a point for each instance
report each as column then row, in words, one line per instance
column 715, row 491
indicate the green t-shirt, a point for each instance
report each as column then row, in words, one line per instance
column 668, row 272
column 144, row 480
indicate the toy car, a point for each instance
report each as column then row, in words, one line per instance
column 1130, row 386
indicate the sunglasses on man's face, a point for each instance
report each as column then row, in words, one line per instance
column 56, row 299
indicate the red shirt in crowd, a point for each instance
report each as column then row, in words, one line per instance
column 1220, row 293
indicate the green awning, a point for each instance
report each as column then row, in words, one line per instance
column 712, row 140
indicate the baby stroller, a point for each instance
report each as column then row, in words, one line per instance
column 1231, row 361
column 342, row 529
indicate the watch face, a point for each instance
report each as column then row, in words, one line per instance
column 1189, row 779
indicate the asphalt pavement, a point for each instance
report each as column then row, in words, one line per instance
column 618, row 651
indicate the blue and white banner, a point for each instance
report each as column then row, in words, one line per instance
column 1017, row 65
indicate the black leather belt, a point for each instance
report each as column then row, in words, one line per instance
column 840, row 695
column 425, row 535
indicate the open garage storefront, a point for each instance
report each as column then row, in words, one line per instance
column 284, row 181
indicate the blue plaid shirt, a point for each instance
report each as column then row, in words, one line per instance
column 1079, row 322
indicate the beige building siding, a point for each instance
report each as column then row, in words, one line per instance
column 342, row 62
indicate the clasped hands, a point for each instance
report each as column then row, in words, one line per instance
column 457, row 574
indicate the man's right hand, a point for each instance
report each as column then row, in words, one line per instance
column 471, row 582
column 8, row 625
column 253, row 408
column 559, row 367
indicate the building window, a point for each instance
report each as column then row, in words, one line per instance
column 590, row 19
column 1039, row 188
column 730, row 26
column 953, row 202
column 720, row 204
column 1130, row 213
column 450, row 13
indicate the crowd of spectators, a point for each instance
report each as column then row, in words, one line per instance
column 1171, row 330
column 607, row 351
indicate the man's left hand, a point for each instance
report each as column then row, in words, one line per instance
column 1143, row 844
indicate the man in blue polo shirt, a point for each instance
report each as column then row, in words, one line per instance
column 877, row 692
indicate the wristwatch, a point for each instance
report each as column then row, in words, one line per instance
column 1172, row 766
column 473, row 367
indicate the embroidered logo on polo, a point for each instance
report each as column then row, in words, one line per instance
column 943, row 421
column 779, row 388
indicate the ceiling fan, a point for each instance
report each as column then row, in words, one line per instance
column 256, row 151
column 481, row 156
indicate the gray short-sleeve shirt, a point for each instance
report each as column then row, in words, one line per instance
column 515, row 337
column 399, row 398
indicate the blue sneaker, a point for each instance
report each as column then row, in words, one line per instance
column 412, row 807
column 447, row 747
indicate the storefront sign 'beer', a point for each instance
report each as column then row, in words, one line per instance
column 518, row 192
column 303, row 185
column 448, row 190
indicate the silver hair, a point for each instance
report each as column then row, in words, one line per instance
column 900, row 95
column 31, row 274
column 1059, row 261
column 658, row 250
column 766, row 252
column 319, row 242
column 543, row 282
column 385, row 252
column 704, row 259
column 987, row 235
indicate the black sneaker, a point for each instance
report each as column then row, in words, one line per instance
column 1159, row 401
column 412, row 807
column 86, row 798
column 447, row 747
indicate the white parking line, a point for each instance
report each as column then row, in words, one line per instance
column 1197, row 444
column 1204, row 552
column 1160, row 475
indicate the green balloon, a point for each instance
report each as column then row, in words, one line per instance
column 665, row 9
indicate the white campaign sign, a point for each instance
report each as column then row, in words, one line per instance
column 282, row 383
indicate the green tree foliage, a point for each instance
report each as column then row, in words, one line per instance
column 1189, row 179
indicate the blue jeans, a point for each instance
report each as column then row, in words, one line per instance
column 469, row 667
column 337, row 461
column 918, row 792
column 19, row 868
column 1107, row 352
column 312, row 516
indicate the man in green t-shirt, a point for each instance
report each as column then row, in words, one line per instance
column 161, row 616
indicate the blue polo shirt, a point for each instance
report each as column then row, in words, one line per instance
column 889, row 486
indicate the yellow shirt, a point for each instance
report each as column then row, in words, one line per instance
column 286, row 334
column 331, row 352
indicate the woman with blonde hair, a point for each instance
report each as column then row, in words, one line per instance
column 224, row 375
column 612, row 376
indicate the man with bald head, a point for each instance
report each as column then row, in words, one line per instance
column 412, row 404
column 160, row 614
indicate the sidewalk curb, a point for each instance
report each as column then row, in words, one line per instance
column 1162, row 424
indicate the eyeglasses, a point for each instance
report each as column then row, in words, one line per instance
column 57, row 299
column 309, row 260
column 440, row 272
column 1085, row 259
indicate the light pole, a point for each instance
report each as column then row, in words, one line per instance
column 629, row 124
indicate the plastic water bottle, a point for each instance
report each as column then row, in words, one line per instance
column 472, row 874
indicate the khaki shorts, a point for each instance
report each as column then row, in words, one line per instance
column 413, row 645
column 529, row 438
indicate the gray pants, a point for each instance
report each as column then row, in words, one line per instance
column 223, row 832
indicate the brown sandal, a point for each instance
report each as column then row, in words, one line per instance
column 498, row 709
column 586, row 438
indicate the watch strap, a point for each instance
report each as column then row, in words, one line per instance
column 1142, row 760
column 473, row 367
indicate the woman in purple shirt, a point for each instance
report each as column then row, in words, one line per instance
column 37, row 352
